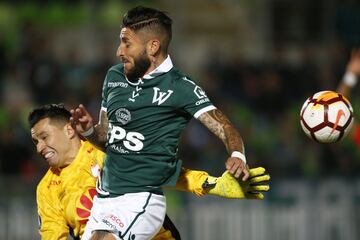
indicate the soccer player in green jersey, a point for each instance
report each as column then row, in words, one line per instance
column 146, row 103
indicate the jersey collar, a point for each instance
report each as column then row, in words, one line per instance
column 164, row 67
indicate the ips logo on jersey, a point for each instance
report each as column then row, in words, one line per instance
column 119, row 138
column 199, row 92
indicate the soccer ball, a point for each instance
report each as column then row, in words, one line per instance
column 326, row 116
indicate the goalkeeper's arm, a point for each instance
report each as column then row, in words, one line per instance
column 229, row 187
column 201, row 183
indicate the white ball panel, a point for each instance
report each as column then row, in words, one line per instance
column 304, row 105
column 347, row 130
column 327, row 135
column 306, row 131
column 338, row 110
column 314, row 115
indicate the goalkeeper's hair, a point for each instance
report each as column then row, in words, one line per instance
column 153, row 20
column 56, row 112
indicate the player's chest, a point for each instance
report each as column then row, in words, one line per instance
column 141, row 95
column 140, row 100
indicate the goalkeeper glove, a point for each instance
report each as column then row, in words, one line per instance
column 229, row 187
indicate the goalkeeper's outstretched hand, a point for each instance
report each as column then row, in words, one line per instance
column 229, row 187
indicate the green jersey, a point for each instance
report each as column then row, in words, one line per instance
column 146, row 119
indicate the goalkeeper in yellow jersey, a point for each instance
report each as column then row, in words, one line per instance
column 65, row 194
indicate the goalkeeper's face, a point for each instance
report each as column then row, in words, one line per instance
column 53, row 141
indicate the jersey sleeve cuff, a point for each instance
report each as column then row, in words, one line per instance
column 203, row 110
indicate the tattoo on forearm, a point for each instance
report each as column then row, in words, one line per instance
column 104, row 124
column 99, row 137
column 212, row 121
column 221, row 126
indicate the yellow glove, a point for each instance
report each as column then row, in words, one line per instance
column 229, row 187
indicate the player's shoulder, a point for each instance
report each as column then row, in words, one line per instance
column 88, row 147
column 47, row 180
column 116, row 69
column 181, row 79
column 115, row 74
column 91, row 152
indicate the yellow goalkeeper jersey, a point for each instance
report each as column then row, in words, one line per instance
column 65, row 195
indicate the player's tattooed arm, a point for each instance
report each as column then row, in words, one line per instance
column 221, row 126
column 99, row 139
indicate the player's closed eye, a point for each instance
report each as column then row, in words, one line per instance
column 35, row 141
column 127, row 44
column 43, row 137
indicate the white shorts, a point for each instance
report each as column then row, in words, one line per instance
column 129, row 216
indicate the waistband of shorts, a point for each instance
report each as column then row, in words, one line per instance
column 113, row 195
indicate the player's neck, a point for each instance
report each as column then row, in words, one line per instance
column 156, row 62
column 73, row 151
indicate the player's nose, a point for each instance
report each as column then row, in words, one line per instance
column 40, row 146
column 119, row 52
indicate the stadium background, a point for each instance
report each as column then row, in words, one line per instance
column 258, row 60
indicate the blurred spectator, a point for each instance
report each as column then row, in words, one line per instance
column 262, row 97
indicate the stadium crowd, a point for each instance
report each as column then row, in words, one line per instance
column 263, row 99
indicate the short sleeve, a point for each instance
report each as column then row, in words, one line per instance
column 104, row 93
column 193, row 98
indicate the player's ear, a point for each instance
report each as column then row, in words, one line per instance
column 153, row 47
column 69, row 130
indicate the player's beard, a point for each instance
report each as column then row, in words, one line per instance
column 141, row 65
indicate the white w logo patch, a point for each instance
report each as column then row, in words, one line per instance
column 161, row 97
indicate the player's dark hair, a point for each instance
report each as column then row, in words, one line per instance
column 157, row 21
column 56, row 112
